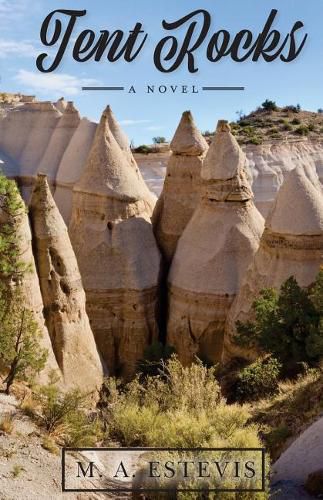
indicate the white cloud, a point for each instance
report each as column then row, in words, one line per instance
column 55, row 85
column 127, row 123
column 12, row 47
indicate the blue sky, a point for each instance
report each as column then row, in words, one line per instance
column 145, row 116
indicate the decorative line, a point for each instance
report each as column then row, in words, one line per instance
column 223, row 88
column 102, row 88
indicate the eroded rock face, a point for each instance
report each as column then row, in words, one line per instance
column 71, row 166
column 181, row 190
column 63, row 295
column 30, row 287
column 213, row 253
column 118, row 257
column 291, row 245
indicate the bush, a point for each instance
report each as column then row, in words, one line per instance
column 182, row 407
column 293, row 109
column 255, row 140
column 7, row 424
column 269, row 105
column 65, row 416
column 296, row 121
column 159, row 140
column 143, row 149
column 302, row 130
column 258, row 380
column 155, row 356
column 288, row 324
column 287, row 127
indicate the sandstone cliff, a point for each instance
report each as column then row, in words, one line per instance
column 181, row 190
column 213, row 253
column 63, row 295
column 118, row 257
column 291, row 245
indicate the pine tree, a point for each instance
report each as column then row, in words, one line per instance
column 21, row 355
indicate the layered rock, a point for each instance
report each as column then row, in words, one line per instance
column 60, row 139
column 30, row 285
column 63, row 294
column 118, row 257
column 71, row 166
column 292, row 245
column 180, row 194
column 213, row 253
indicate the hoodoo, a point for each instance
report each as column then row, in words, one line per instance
column 59, row 141
column 181, row 189
column 30, row 284
column 71, row 166
column 291, row 245
column 213, row 252
column 118, row 257
column 63, row 294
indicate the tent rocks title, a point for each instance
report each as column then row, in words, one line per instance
column 59, row 31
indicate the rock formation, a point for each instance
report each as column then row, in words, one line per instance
column 180, row 193
column 292, row 245
column 71, row 166
column 118, row 257
column 61, row 137
column 213, row 252
column 30, row 286
column 63, row 294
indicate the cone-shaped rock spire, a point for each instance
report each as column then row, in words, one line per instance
column 63, row 294
column 180, row 193
column 213, row 253
column 291, row 245
column 188, row 140
column 118, row 257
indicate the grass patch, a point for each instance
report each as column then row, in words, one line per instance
column 49, row 444
column 7, row 424
column 17, row 470
column 295, row 407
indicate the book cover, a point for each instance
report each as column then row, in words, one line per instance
column 161, row 244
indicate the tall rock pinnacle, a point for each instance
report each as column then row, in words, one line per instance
column 118, row 257
column 213, row 253
column 180, row 194
column 63, row 294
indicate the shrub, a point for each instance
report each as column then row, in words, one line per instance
column 320, row 111
column 154, row 357
column 311, row 127
column 296, row 121
column 159, row 140
column 288, row 324
column 255, row 140
column 7, row 424
column 244, row 123
column 302, row 130
column 49, row 444
column 65, row 416
column 17, row 470
column 258, row 380
column 293, row 109
column 143, row 149
column 287, row 127
column 269, row 105
column 182, row 407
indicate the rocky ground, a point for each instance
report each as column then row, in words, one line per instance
column 27, row 470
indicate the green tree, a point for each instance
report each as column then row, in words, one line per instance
column 159, row 140
column 288, row 324
column 269, row 105
column 20, row 352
